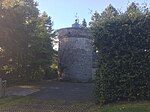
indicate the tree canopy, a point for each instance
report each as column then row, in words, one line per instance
column 25, row 40
column 84, row 23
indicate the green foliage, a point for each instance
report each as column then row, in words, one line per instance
column 123, row 44
column 41, row 50
column 25, row 40
column 84, row 24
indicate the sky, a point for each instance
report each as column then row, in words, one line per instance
column 64, row 12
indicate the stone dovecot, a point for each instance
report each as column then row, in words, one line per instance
column 75, row 54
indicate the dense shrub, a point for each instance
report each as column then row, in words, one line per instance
column 123, row 43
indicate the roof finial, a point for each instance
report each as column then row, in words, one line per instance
column 77, row 18
column 76, row 24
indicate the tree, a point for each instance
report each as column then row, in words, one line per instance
column 109, row 12
column 17, row 17
column 41, row 58
column 94, row 19
column 25, row 39
column 133, row 10
column 84, row 24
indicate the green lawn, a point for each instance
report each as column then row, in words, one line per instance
column 29, row 104
column 127, row 107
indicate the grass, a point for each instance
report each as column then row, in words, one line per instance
column 127, row 107
column 25, row 100
column 20, row 102
column 30, row 104
column 15, row 100
column 25, row 103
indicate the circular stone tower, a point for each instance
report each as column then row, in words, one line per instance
column 75, row 54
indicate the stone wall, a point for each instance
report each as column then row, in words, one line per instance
column 75, row 54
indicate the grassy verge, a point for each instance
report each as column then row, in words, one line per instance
column 29, row 104
column 15, row 100
column 127, row 107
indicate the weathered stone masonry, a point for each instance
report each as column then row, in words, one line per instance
column 75, row 54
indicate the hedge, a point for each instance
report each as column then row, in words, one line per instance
column 123, row 46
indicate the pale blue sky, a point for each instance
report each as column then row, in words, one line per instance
column 63, row 11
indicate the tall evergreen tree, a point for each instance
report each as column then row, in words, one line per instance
column 109, row 12
column 25, row 39
column 84, row 23
column 94, row 19
column 133, row 10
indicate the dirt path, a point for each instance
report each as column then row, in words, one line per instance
column 52, row 96
column 68, row 92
